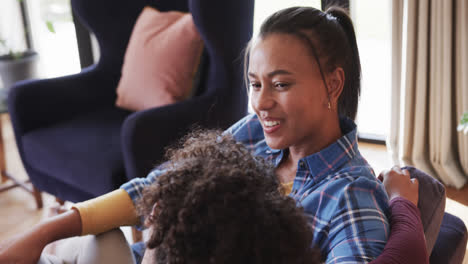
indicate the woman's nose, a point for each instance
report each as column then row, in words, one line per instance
column 262, row 100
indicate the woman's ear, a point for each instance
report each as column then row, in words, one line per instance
column 336, row 80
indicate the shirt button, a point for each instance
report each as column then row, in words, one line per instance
column 295, row 192
column 301, row 164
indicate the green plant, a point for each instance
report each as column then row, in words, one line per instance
column 8, row 51
column 463, row 126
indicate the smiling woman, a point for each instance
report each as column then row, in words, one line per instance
column 288, row 94
column 304, row 76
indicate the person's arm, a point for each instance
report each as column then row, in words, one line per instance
column 91, row 217
column 406, row 243
column 116, row 208
column 27, row 247
column 107, row 212
column 358, row 229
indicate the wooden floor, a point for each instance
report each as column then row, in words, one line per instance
column 19, row 212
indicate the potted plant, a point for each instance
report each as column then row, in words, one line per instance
column 18, row 65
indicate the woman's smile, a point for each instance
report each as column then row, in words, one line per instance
column 270, row 125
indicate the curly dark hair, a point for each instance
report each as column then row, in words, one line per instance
column 217, row 203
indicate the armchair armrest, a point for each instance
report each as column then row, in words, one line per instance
column 39, row 103
column 146, row 134
column 431, row 204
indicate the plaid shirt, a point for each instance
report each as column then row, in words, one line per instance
column 338, row 190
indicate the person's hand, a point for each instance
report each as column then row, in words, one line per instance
column 22, row 249
column 397, row 183
column 26, row 248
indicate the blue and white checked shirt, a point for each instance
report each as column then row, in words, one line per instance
column 338, row 190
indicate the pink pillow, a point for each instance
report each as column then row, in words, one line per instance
column 161, row 60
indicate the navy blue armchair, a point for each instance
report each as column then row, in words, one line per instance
column 73, row 141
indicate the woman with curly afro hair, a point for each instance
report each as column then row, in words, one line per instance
column 217, row 203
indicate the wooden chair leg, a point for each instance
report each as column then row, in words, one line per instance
column 37, row 196
column 136, row 235
column 58, row 207
column 60, row 201
column 4, row 177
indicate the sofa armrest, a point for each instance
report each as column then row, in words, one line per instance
column 450, row 247
column 431, row 204
column 39, row 103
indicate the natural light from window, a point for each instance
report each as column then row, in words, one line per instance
column 58, row 52
column 264, row 8
column 372, row 22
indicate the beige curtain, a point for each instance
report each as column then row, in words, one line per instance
column 430, row 87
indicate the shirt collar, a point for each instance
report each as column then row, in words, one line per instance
column 329, row 159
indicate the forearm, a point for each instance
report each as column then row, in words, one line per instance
column 106, row 212
column 116, row 208
column 406, row 243
column 58, row 227
column 91, row 217
column 35, row 239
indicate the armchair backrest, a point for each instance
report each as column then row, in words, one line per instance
column 112, row 21
column 225, row 27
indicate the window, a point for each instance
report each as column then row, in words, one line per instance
column 58, row 51
column 11, row 26
column 264, row 8
column 372, row 22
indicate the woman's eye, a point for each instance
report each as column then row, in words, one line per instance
column 255, row 86
column 281, row 85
